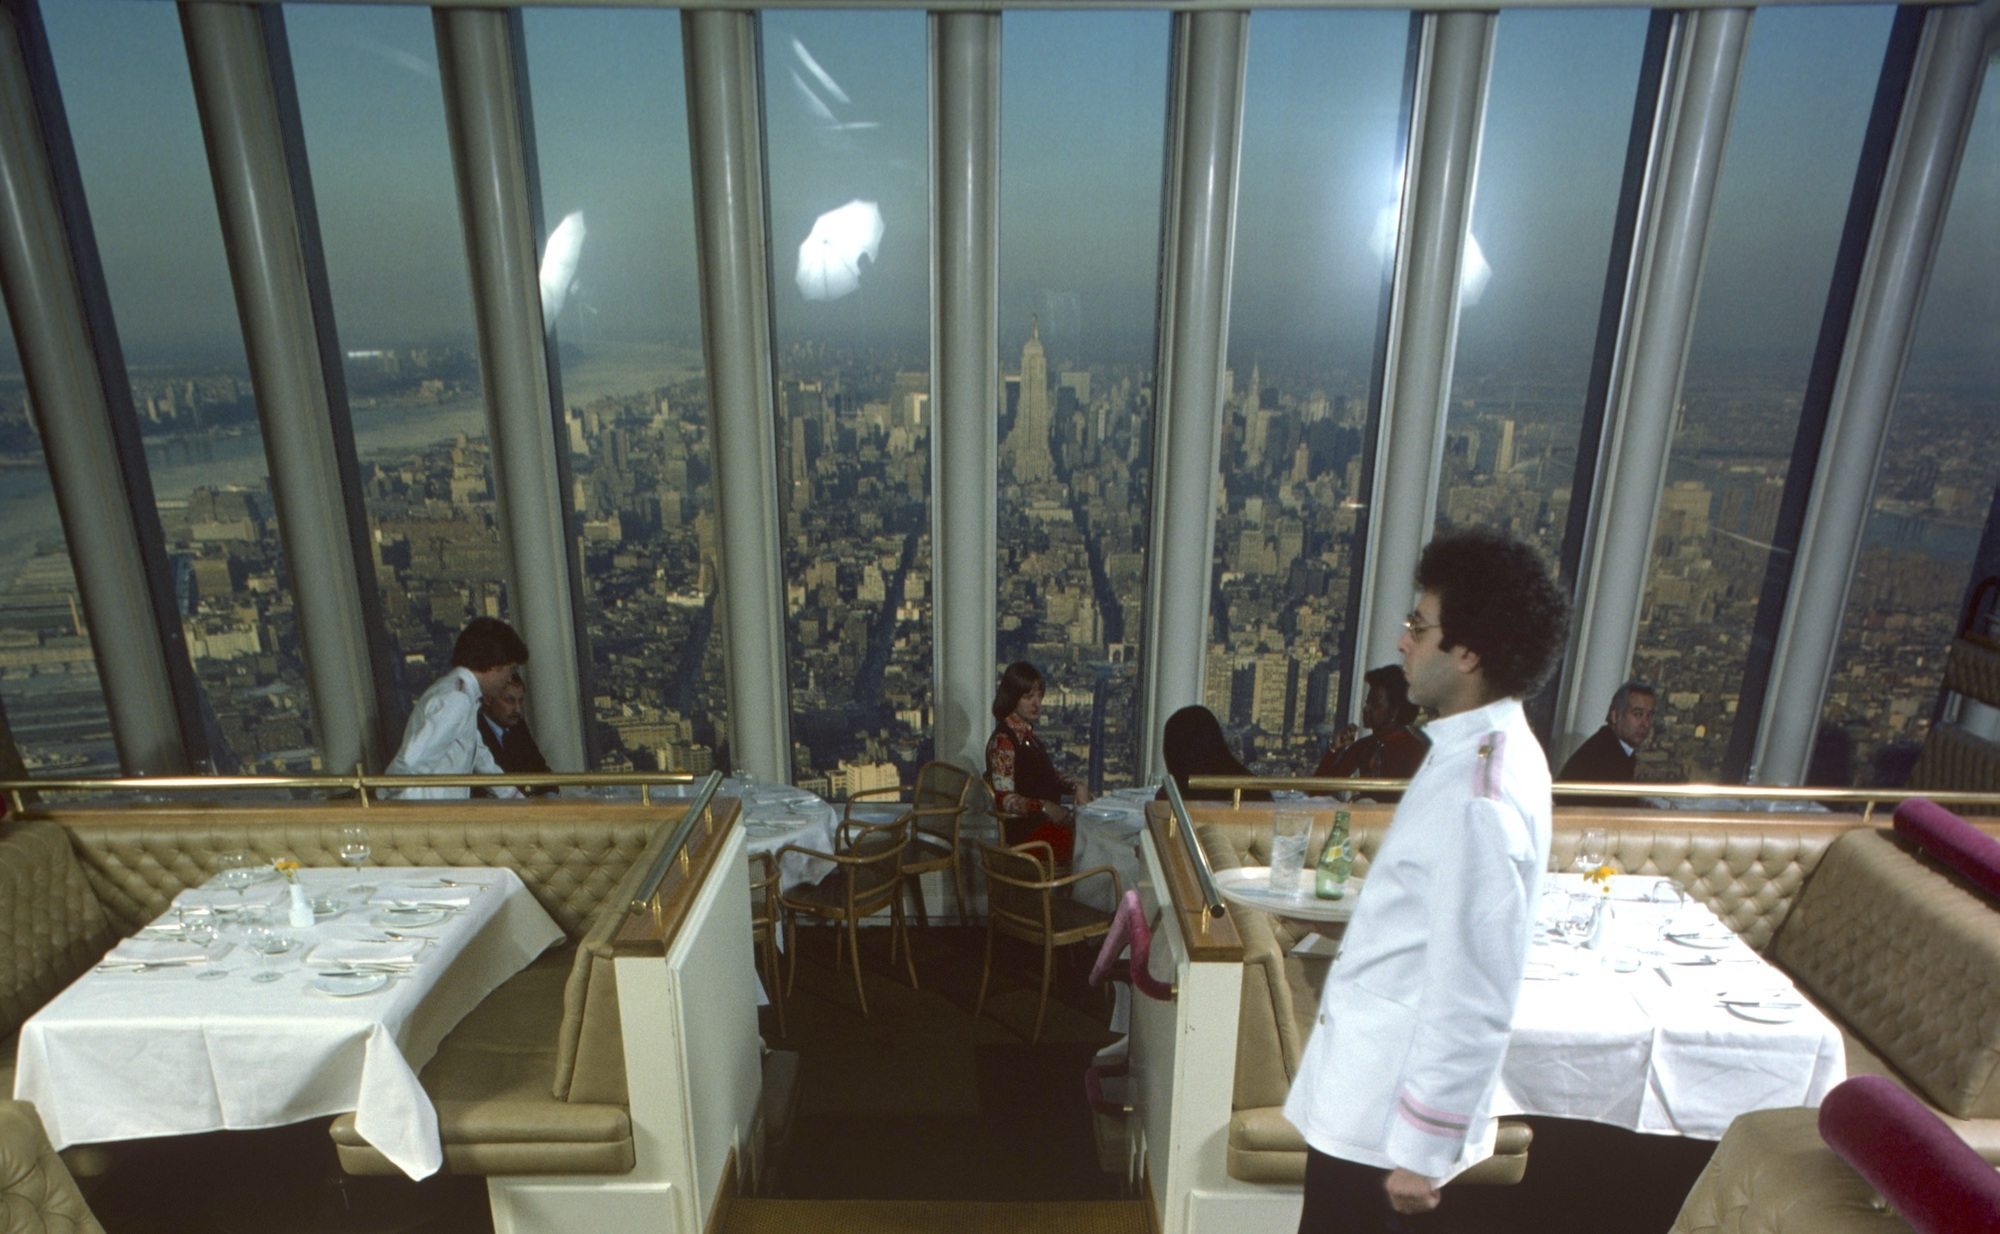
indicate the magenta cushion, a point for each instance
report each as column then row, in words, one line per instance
column 1933, row 1179
column 1952, row 840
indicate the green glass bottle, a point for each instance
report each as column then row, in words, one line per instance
column 1336, row 861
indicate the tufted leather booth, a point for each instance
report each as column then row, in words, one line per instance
column 37, row 1194
column 532, row 1081
column 1749, row 874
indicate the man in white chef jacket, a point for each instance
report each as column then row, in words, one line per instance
column 1394, row 1089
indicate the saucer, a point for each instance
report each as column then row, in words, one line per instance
column 350, row 986
column 1764, row 1015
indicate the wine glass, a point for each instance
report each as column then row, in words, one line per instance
column 235, row 870
column 269, row 942
column 1591, row 849
column 354, row 851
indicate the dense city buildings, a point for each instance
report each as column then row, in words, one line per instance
column 854, row 478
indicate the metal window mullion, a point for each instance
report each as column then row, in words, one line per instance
column 242, row 125
column 965, row 363
column 1685, row 166
column 77, row 386
column 1454, row 61
column 1203, row 161
column 477, row 58
column 726, row 149
column 1902, row 247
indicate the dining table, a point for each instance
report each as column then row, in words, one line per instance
column 1642, row 1009
column 774, row 816
column 221, row 1015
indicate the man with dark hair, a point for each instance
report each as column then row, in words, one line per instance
column 1392, row 750
column 1395, row 1089
column 503, row 726
column 1611, row 754
column 442, row 737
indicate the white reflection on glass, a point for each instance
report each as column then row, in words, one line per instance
column 830, row 259
column 559, row 258
column 814, row 103
column 1474, row 272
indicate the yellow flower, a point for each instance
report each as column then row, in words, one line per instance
column 1602, row 877
column 287, row 867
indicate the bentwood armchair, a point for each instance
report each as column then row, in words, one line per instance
column 867, row 878
column 935, row 806
column 1022, row 902
column 764, row 927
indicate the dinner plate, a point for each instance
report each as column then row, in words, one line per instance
column 409, row 916
column 324, row 908
column 1703, row 942
column 1764, row 1015
column 350, row 986
column 1250, row 887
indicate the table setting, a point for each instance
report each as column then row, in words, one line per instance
column 222, row 1014
column 775, row 815
column 1107, row 834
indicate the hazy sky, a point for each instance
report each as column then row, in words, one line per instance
column 1083, row 128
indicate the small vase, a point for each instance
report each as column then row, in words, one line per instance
column 1595, row 939
column 301, row 912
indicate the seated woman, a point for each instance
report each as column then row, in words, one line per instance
column 1027, row 789
column 1193, row 745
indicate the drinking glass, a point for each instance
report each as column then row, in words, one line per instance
column 1576, row 923
column 269, row 942
column 1590, row 851
column 235, row 870
column 1290, row 830
column 354, row 852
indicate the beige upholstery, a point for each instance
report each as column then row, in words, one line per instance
column 55, row 927
column 1772, row 1174
column 37, row 1193
column 1909, row 959
column 1955, row 759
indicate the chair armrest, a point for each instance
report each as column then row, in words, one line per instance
column 810, row 852
column 1079, row 875
column 1926, row 1173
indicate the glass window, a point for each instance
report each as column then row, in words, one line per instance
column 381, row 169
column 1559, row 111
column 622, row 292
column 1934, row 494
column 846, row 98
column 130, row 103
column 1316, row 218
column 48, row 678
column 1794, row 144
column 1082, row 118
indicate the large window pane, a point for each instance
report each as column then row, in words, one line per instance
column 48, row 679
column 125, row 85
column 1808, row 82
column 1934, row 496
column 395, row 255
column 845, row 104
column 1316, row 213
column 611, row 131
column 1558, row 113
column 1082, row 114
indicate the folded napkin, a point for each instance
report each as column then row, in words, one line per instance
column 137, row 951
column 424, row 895
column 375, row 953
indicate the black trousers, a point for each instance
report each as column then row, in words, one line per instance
column 1345, row 1198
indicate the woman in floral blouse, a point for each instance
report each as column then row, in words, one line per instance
column 1027, row 789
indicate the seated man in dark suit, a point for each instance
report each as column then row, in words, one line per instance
column 505, row 730
column 1611, row 755
column 1393, row 750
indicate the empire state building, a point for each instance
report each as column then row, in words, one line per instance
column 1027, row 450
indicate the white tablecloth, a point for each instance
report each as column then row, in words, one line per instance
column 134, row 1054
column 1653, row 1049
column 1107, row 834
column 775, row 815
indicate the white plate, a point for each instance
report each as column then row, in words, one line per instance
column 350, row 987
column 409, row 916
column 1250, row 887
column 1764, row 1015
column 333, row 909
column 1703, row 942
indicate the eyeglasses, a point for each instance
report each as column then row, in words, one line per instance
column 1416, row 624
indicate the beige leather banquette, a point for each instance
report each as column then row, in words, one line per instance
column 1749, row 872
column 533, row 1081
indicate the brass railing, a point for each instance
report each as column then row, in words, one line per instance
column 359, row 783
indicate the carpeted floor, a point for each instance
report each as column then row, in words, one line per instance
column 931, row 1217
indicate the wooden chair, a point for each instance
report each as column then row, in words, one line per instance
column 936, row 806
column 1021, row 902
column 764, row 926
column 868, row 879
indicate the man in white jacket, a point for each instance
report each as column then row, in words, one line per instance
column 1394, row 1091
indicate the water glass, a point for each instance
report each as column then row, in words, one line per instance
column 1591, row 850
column 1290, row 829
column 354, row 852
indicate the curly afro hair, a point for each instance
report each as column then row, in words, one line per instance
column 1495, row 598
